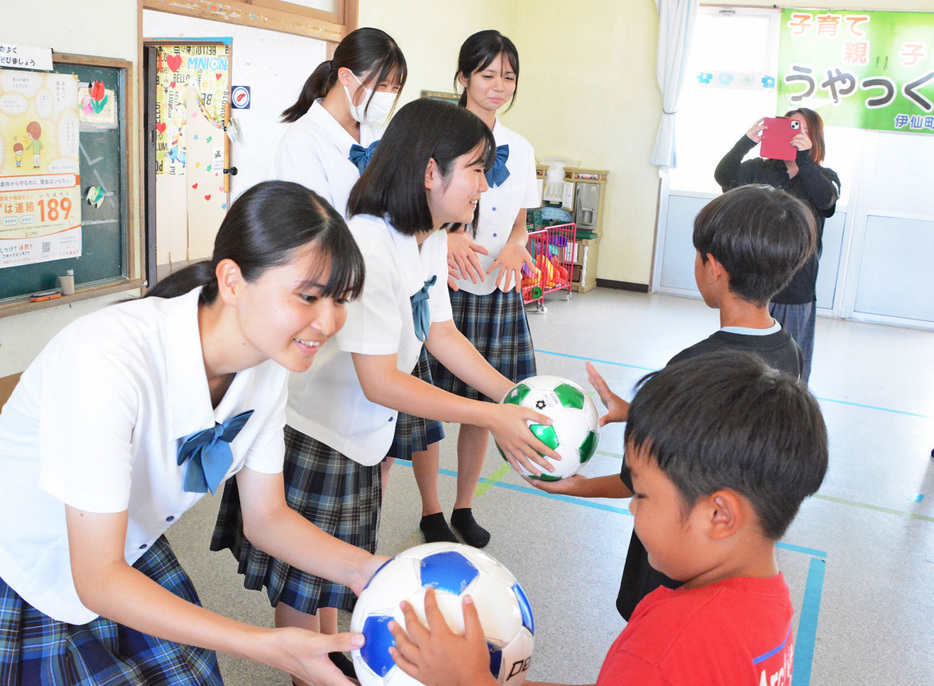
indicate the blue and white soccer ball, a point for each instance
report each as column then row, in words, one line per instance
column 453, row 570
column 575, row 427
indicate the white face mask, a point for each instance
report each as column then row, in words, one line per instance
column 380, row 104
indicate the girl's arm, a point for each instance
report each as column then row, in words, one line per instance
column 513, row 256
column 107, row 585
column 278, row 530
column 383, row 383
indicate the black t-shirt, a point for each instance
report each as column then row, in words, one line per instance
column 778, row 350
column 817, row 186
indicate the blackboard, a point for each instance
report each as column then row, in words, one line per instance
column 105, row 230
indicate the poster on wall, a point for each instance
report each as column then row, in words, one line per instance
column 40, row 208
column 865, row 70
column 192, row 105
column 203, row 68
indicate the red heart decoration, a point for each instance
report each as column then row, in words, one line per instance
column 195, row 185
column 174, row 61
column 160, row 127
column 218, row 76
column 172, row 85
column 207, row 197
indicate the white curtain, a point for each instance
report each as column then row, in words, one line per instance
column 675, row 30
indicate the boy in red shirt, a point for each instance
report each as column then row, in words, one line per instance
column 722, row 450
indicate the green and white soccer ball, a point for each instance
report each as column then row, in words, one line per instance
column 575, row 429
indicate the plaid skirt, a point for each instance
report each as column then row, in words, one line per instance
column 497, row 327
column 333, row 492
column 36, row 649
column 414, row 434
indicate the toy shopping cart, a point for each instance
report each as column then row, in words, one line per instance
column 552, row 250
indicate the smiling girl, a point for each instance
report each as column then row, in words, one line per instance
column 129, row 416
column 427, row 172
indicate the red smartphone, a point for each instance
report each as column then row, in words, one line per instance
column 776, row 138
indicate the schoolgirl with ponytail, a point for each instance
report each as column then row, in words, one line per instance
column 338, row 117
column 129, row 416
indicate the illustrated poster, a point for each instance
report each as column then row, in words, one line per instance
column 40, row 208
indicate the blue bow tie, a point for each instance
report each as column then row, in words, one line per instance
column 498, row 174
column 209, row 455
column 360, row 156
column 421, row 314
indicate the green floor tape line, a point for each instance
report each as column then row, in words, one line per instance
column 487, row 482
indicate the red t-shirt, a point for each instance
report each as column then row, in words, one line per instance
column 734, row 632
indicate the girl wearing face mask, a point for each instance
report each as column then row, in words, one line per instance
column 339, row 115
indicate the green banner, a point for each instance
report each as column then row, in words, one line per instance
column 864, row 70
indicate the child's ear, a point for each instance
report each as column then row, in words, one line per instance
column 728, row 512
column 229, row 280
column 715, row 270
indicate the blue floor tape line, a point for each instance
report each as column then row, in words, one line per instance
column 647, row 369
column 590, row 359
column 807, row 625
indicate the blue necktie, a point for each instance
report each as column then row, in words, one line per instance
column 498, row 174
column 360, row 156
column 421, row 313
column 209, row 455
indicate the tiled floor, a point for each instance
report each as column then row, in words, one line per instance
column 859, row 558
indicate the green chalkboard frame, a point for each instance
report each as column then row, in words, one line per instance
column 110, row 233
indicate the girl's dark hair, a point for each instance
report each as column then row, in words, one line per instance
column 394, row 181
column 815, row 131
column 760, row 234
column 479, row 51
column 263, row 229
column 726, row 420
column 363, row 51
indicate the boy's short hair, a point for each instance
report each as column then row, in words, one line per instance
column 727, row 420
column 760, row 234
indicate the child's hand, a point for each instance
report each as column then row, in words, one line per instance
column 618, row 409
column 568, row 486
column 462, row 258
column 435, row 655
column 511, row 258
column 510, row 429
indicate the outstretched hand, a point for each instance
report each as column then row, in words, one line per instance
column 463, row 262
column 511, row 259
column 435, row 655
column 617, row 408
column 510, row 428
column 307, row 655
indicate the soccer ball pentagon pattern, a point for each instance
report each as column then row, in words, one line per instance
column 453, row 570
column 575, row 428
